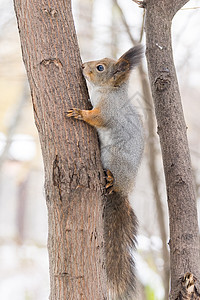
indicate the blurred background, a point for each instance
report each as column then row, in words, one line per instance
column 105, row 28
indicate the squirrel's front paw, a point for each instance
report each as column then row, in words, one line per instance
column 75, row 113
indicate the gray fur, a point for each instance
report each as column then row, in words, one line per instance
column 122, row 139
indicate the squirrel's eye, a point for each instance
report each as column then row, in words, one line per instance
column 100, row 68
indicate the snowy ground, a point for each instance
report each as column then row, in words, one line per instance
column 23, row 272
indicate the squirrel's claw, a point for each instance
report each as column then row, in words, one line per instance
column 108, row 185
column 75, row 113
column 110, row 181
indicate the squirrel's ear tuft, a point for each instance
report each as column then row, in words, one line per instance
column 127, row 62
column 133, row 56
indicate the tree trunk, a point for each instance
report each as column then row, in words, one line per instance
column 73, row 172
column 184, row 233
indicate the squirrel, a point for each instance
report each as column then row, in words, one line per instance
column 121, row 136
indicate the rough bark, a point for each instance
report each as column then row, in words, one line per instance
column 73, row 172
column 184, row 233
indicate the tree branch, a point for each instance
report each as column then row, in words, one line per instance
column 184, row 231
column 141, row 4
column 176, row 5
column 14, row 120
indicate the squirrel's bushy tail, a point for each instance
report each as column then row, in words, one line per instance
column 120, row 227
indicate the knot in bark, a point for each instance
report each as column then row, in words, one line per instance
column 163, row 81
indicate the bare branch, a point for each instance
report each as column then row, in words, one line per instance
column 174, row 5
column 142, row 27
column 179, row 4
column 133, row 41
column 141, row 4
column 187, row 8
column 15, row 118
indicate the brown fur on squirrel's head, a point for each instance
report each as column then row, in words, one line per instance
column 108, row 72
